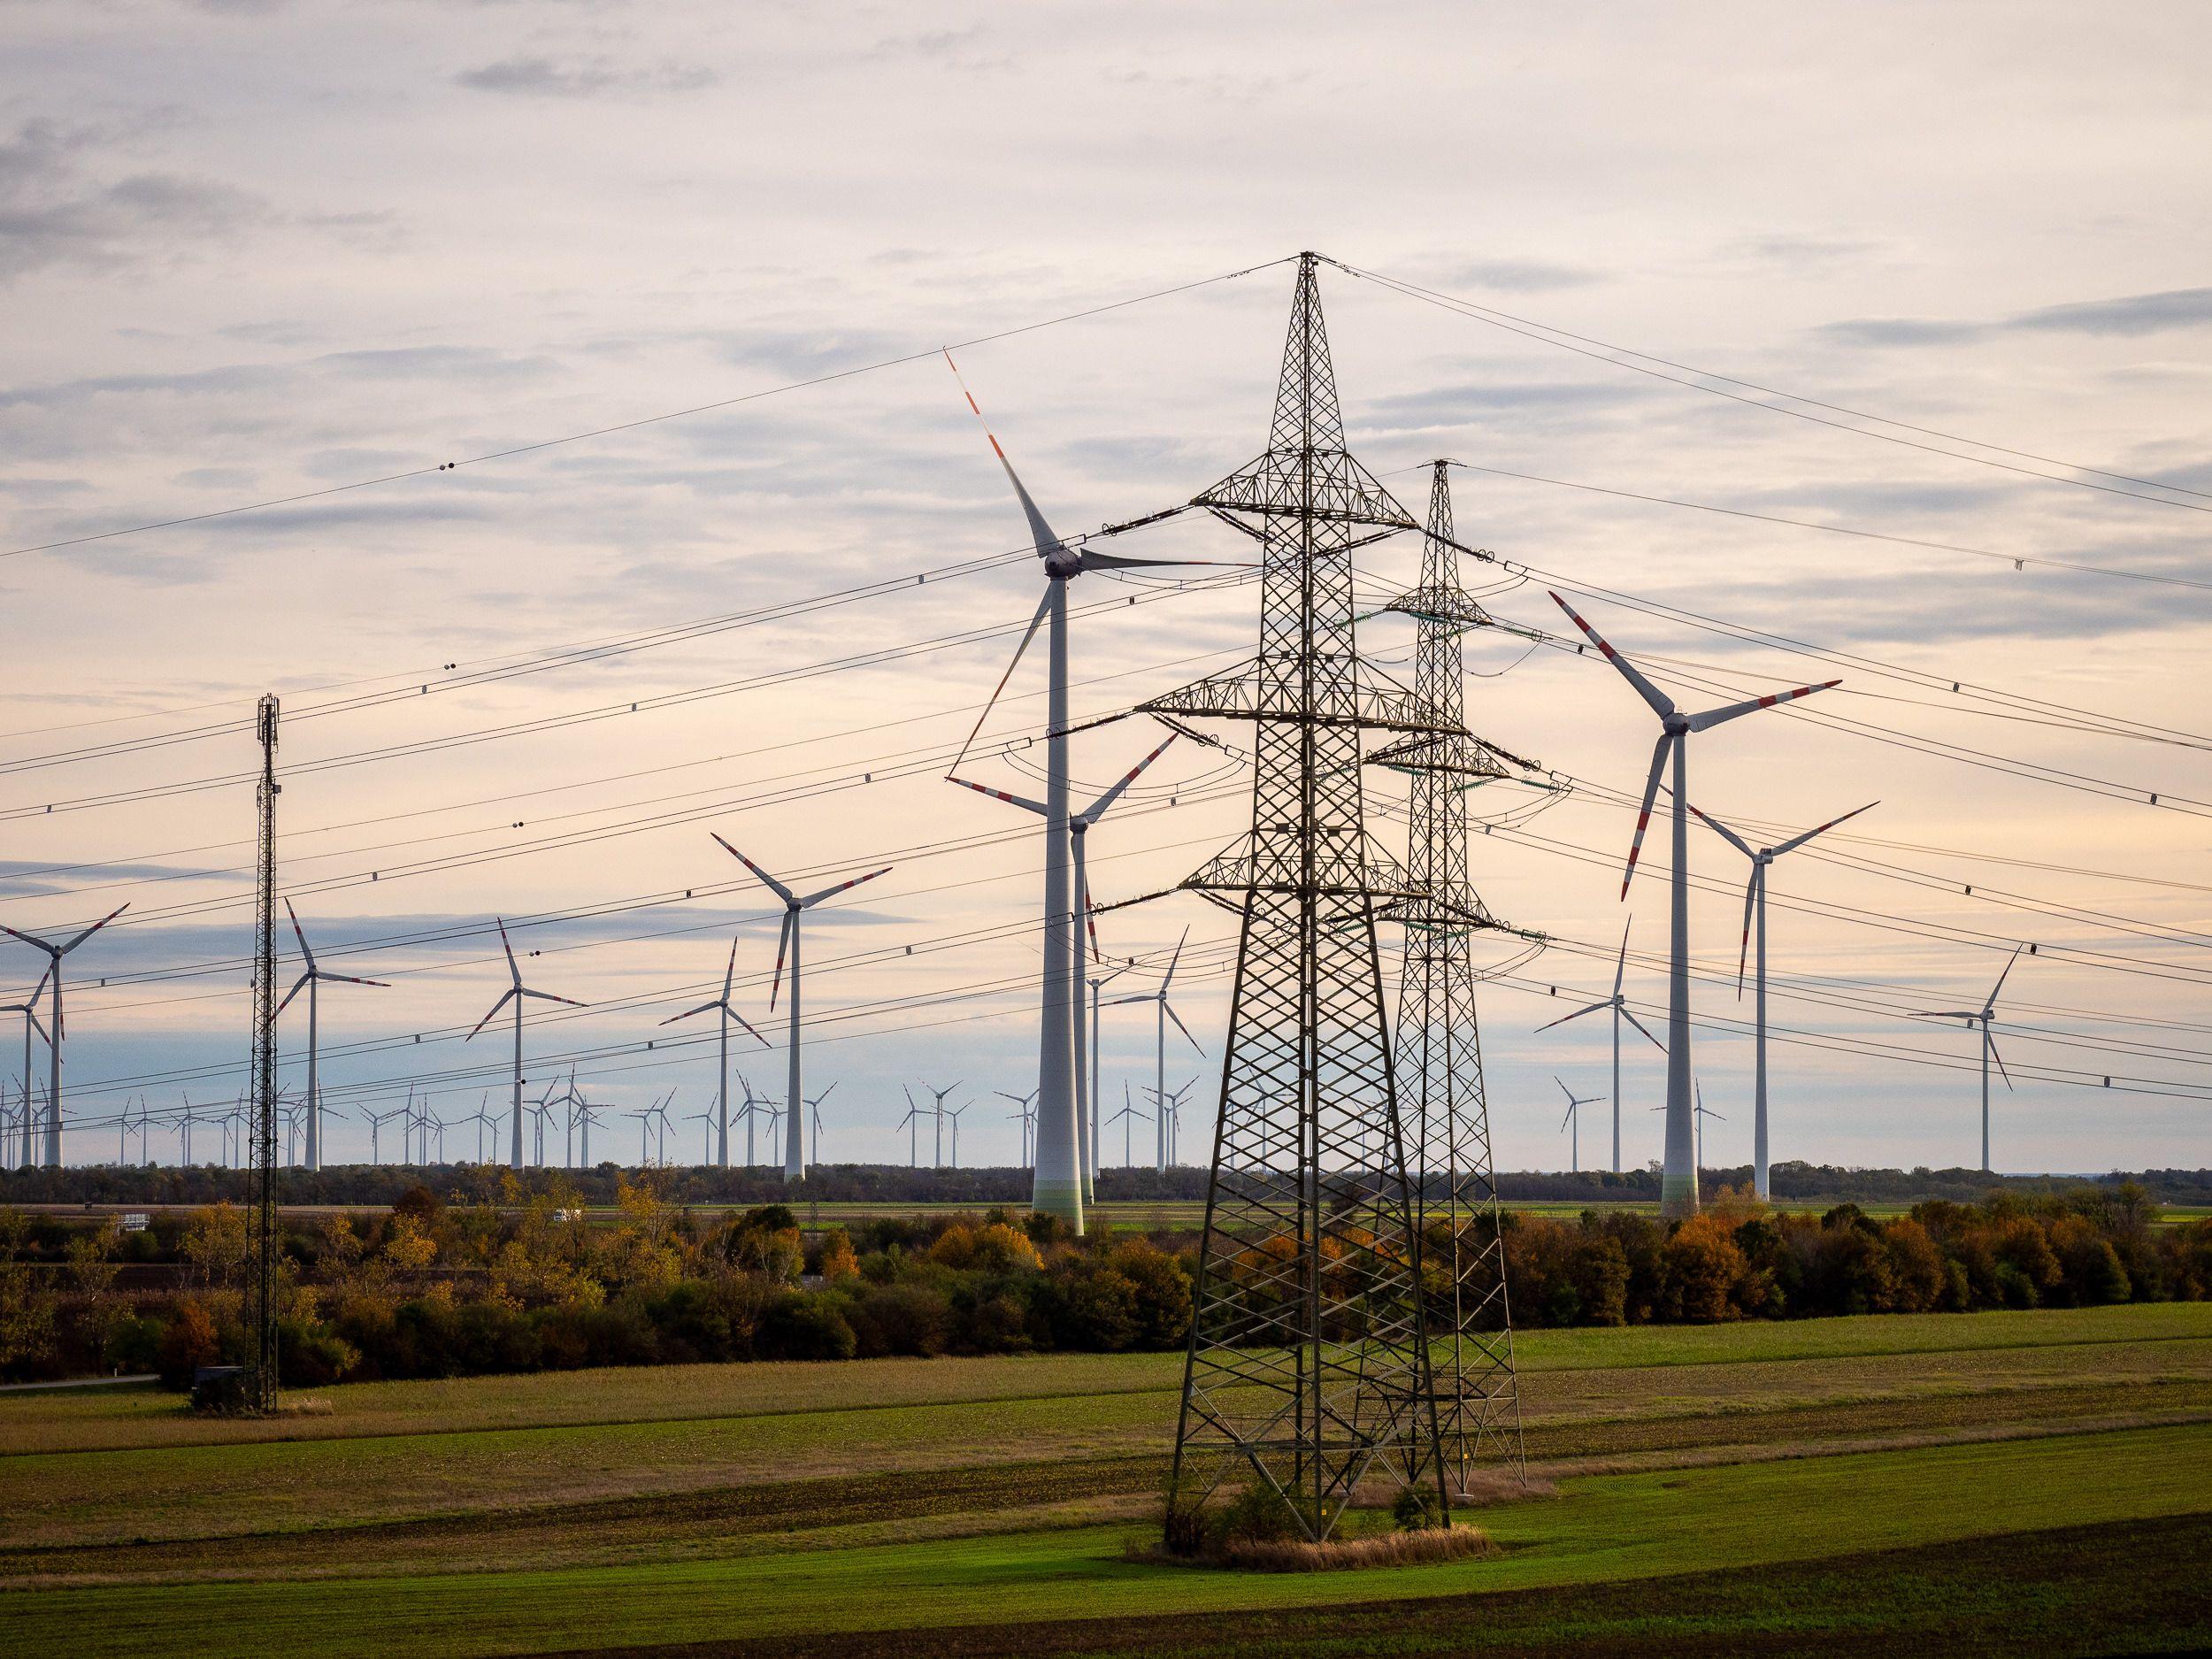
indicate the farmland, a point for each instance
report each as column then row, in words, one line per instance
column 702, row 1503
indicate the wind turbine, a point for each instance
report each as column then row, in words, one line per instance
column 1982, row 1016
column 1618, row 1003
column 1171, row 1108
column 1677, row 1187
column 29, row 1009
column 1126, row 1117
column 1026, row 1112
column 1699, row 1114
column 1754, row 896
column 1097, row 982
column 52, row 979
column 814, row 1113
column 1162, row 1013
column 939, row 1111
column 756, row 1105
column 309, row 981
column 1057, row 1183
column 912, row 1124
column 954, row 1113
column 722, row 1072
column 516, row 992
column 793, row 1148
column 1573, row 1120
column 1078, row 828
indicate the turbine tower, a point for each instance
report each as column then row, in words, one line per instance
column 1573, row 1120
column 1754, row 897
column 309, row 982
column 1307, row 1377
column 1618, row 1003
column 52, row 980
column 793, row 1141
column 515, row 993
column 722, row 1064
column 1677, row 1185
column 1078, row 826
column 1982, row 1016
column 1056, row 1181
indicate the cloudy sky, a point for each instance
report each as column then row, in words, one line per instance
column 259, row 252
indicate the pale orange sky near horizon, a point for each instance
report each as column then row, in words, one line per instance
column 255, row 250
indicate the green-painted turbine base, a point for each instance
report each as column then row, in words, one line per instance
column 1677, row 1196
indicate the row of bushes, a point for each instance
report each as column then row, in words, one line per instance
column 429, row 1289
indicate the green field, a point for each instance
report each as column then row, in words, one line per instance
column 978, row 1502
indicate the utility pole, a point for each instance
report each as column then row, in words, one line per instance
column 261, row 1293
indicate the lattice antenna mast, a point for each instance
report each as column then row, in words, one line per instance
column 261, row 1311
column 1309, row 1364
column 1439, row 1044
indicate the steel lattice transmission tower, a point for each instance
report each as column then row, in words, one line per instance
column 261, row 1292
column 1439, row 1043
column 1309, row 1365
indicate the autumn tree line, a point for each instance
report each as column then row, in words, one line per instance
column 509, row 1279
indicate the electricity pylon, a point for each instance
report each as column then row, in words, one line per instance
column 261, row 1290
column 1308, row 1367
column 1438, row 1048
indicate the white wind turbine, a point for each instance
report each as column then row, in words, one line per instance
column 1171, row 1108
column 814, row 1117
column 1162, row 1013
column 794, row 1147
column 937, row 1096
column 1700, row 1113
column 1982, row 1016
column 1618, row 1003
column 1078, row 829
column 29, row 1009
column 1097, row 982
column 1572, row 1121
column 1677, row 1187
column 1057, row 1183
column 1025, row 1112
column 1126, row 1118
column 755, row 1106
column 912, row 1124
column 52, row 979
column 309, row 982
column 516, row 992
column 721, row 1156
column 1754, row 897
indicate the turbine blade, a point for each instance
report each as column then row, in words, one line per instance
column 748, row 1024
column 95, row 928
column 1038, row 807
column 1097, row 808
column 1795, row 842
column 1048, row 542
column 2000, row 986
column 703, row 1008
column 1732, row 839
column 505, row 997
column 1620, row 967
column 1122, row 560
column 1180, row 1026
column 1661, row 703
column 775, row 885
column 729, row 973
column 783, row 937
column 1578, row 1014
column 1750, row 896
column 298, row 986
column 816, row 898
column 1991, row 1040
column 297, row 932
column 507, row 945
column 1639, row 1023
column 1715, row 717
column 1172, row 963
column 1563, row 1089
column 547, row 996
column 1667, row 740
column 1036, row 621
column 347, row 979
